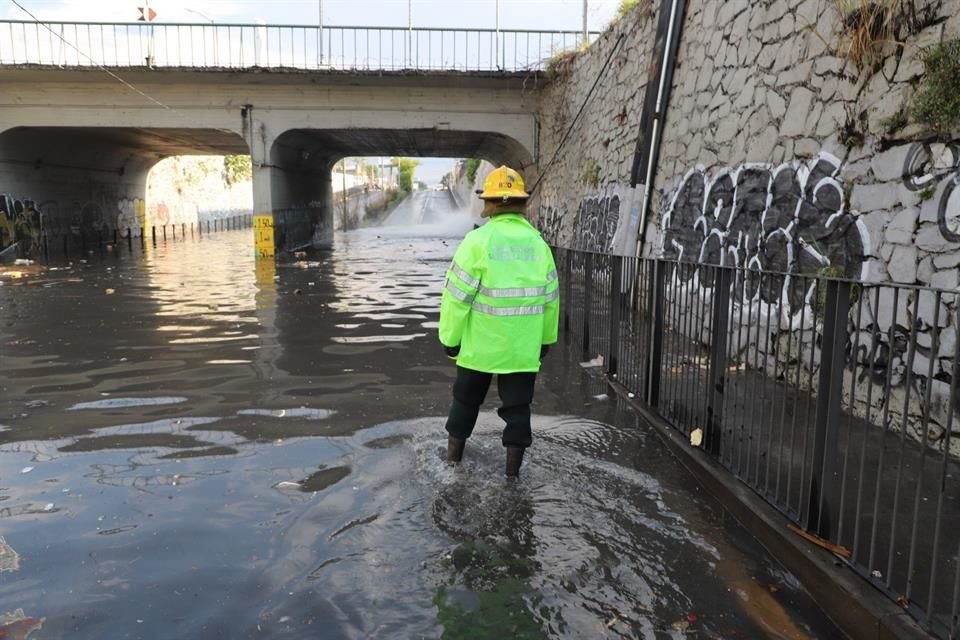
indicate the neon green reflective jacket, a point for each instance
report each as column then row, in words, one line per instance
column 502, row 299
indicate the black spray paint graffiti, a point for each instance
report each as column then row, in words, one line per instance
column 594, row 228
column 549, row 222
column 21, row 224
column 926, row 166
column 596, row 224
column 789, row 220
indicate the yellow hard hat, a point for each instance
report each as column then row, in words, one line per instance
column 503, row 183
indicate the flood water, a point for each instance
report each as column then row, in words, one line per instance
column 194, row 444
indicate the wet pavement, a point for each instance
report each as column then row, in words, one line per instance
column 196, row 445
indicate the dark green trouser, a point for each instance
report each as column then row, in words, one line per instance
column 516, row 394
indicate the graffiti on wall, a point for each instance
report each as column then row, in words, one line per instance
column 596, row 223
column 132, row 215
column 789, row 219
column 929, row 165
column 604, row 223
column 21, row 224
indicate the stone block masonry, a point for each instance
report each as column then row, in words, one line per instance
column 779, row 153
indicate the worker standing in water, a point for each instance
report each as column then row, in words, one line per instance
column 498, row 316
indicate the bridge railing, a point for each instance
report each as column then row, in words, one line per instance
column 249, row 46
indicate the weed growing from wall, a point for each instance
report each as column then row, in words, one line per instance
column 936, row 105
column 866, row 28
column 591, row 173
column 927, row 193
column 560, row 64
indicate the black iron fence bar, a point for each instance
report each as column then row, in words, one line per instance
column 925, row 410
column 656, row 302
column 820, row 512
column 739, row 388
column 717, row 386
column 245, row 45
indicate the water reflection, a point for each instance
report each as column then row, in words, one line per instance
column 230, row 448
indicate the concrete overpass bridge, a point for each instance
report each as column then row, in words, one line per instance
column 89, row 108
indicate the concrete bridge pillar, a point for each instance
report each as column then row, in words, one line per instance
column 301, row 197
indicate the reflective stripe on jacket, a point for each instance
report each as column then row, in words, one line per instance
column 501, row 300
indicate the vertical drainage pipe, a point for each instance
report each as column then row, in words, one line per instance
column 648, row 144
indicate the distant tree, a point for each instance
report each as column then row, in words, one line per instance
column 405, row 169
column 237, row 169
column 472, row 165
column 446, row 179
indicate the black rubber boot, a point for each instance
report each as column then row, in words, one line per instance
column 514, row 460
column 455, row 449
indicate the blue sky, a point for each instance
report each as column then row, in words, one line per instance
column 547, row 15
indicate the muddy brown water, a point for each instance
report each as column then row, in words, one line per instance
column 194, row 444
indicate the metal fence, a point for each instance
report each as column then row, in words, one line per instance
column 247, row 46
column 833, row 400
column 51, row 243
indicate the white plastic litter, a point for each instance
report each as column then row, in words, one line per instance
column 590, row 364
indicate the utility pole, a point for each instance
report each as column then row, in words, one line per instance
column 496, row 37
column 216, row 37
column 320, row 33
column 409, row 33
column 146, row 6
column 585, row 21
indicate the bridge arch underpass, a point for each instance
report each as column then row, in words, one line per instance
column 89, row 180
column 301, row 193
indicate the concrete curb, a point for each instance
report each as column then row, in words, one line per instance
column 853, row 604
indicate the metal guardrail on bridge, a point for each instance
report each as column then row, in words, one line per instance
column 835, row 401
column 249, row 46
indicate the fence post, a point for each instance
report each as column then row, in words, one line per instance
column 616, row 277
column 567, row 288
column 587, row 302
column 655, row 303
column 820, row 509
column 719, row 325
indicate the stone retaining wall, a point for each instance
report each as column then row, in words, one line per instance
column 780, row 154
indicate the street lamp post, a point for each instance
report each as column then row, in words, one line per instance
column 584, row 21
column 320, row 34
column 216, row 36
column 496, row 38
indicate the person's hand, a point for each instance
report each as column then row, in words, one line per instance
column 544, row 350
column 452, row 352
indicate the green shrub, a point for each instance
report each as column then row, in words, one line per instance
column 472, row 165
column 625, row 7
column 936, row 105
column 237, row 169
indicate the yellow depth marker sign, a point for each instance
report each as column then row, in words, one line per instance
column 263, row 236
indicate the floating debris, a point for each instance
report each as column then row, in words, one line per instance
column 9, row 559
column 301, row 412
column 18, row 626
column 123, row 403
